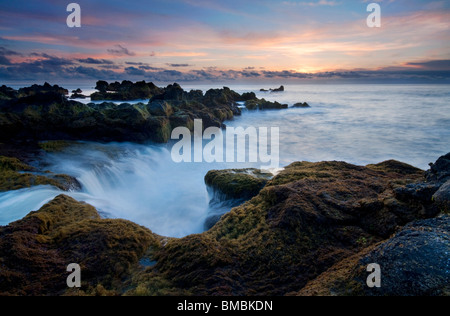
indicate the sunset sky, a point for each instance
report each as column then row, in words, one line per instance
column 225, row 40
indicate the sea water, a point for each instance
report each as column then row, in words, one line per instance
column 360, row 124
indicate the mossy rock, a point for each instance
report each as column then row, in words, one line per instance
column 311, row 212
column 263, row 104
column 160, row 108
column 241, row 184
column 65, row 231
column 54, row 145
column 15, row 175
column 181, row 120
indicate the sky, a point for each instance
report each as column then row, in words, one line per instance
column 225, row 41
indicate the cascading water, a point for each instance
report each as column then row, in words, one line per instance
column 135, row 182
column 139, row 183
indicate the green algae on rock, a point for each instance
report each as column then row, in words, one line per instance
column 237, row 183
column 35, row 251
column 54, row 146
column 264, row 105
column 308, row 218
column 24, row 115
column 15, row 175
column 311, row 230
column 414, row 262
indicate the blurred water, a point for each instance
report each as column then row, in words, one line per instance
column 359, row 124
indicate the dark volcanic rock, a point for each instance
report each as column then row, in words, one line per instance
column 46, row 88
column 27, row 117
column 414, row 262
column 125, row 91
column 264, row 105
column 225, row 96
column 160, row 108
column 442, row 197
column 247, row 96
column 439, row 171
column 7, row 93
column 301, row 105
column 280, row 89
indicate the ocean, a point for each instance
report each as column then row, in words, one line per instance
column 359, row 124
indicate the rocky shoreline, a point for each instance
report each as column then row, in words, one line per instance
column 310, row 230
column 44, row 112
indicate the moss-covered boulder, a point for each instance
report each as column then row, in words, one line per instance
column 54, row 146
column 159, row 129
column 239, row 184
column 160, row 108
column 35, row 251
column 301, row 105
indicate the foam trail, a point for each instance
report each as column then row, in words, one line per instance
column 16, row 204
column 139, row 183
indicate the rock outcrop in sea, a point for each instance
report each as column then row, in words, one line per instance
column 44, row 112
